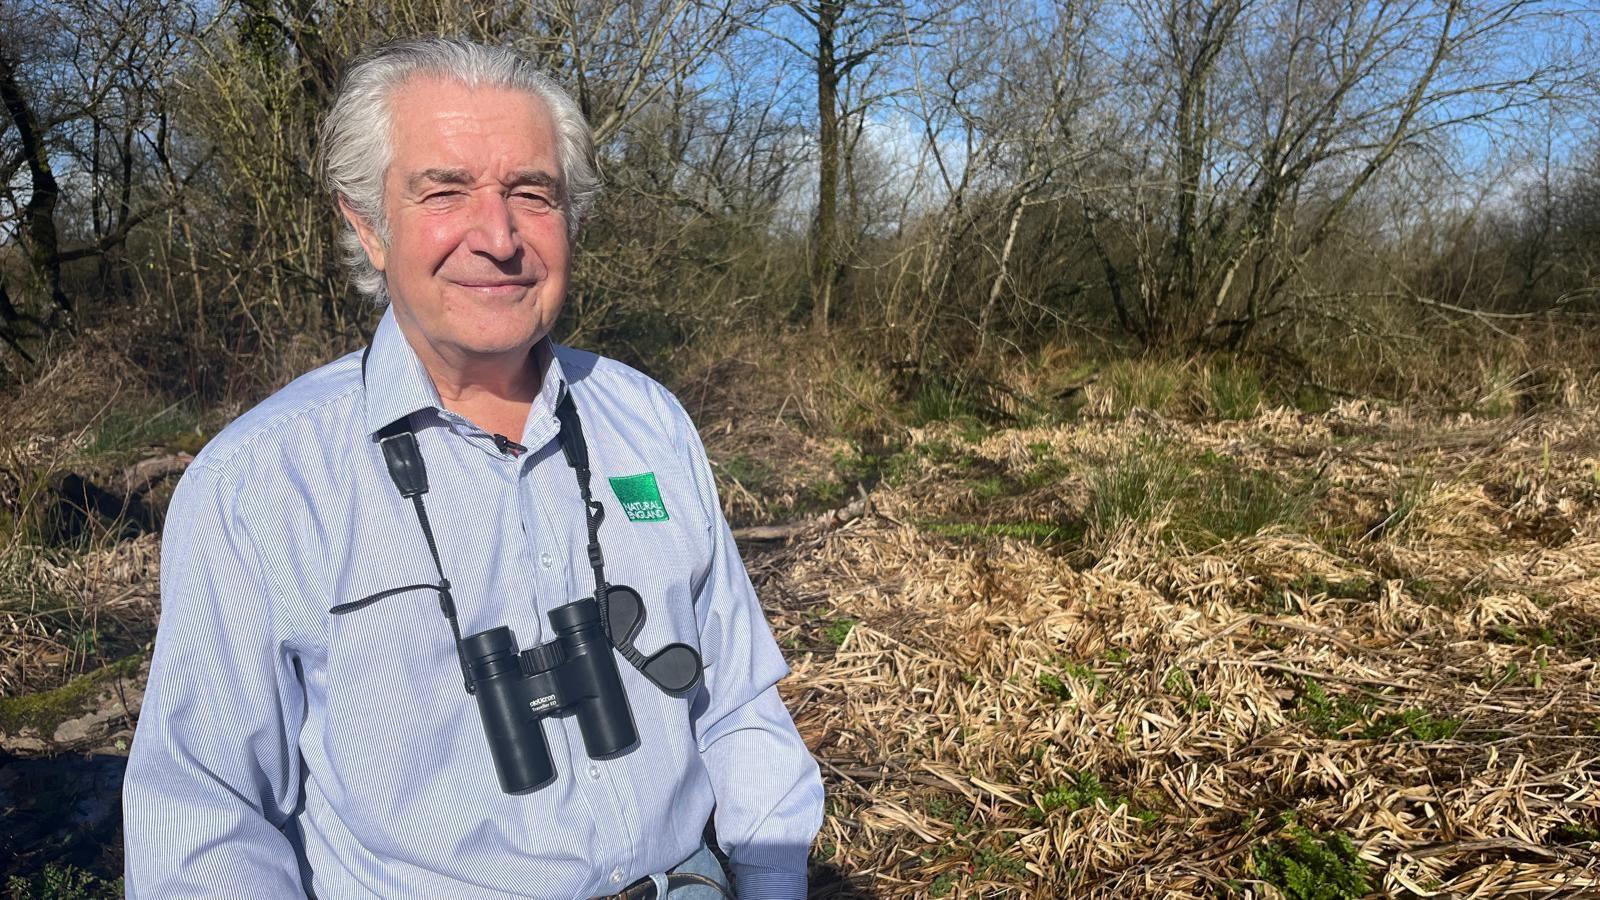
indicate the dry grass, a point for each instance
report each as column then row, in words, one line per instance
column 1126, row 714
column 1129, row 656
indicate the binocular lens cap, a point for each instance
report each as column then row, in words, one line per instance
column 674, row 669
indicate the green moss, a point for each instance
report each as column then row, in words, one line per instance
column 1081, row 792
column 1179, row 684
column 46, row 710
column 1337, row 716
column 1080, row 672
column 996, row 864
column 1052, row 685
column 953, row 811
column 1306, row 865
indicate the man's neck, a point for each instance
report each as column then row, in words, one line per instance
column 493, row 392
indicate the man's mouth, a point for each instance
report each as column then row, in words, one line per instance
column 495, row 287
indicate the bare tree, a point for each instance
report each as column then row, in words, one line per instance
column 842, row 40
column 1267, row 121
column 83, row 86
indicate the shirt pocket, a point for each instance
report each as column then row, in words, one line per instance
column 663, row 559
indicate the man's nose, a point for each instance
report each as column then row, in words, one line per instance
column 494, row 231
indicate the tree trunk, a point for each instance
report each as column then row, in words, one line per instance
column 40, row 213
column 824, row 264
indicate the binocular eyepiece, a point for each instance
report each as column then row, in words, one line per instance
column 575, row 671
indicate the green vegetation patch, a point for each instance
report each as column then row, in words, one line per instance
column 1332, row 716
column 1222, row 387
column 1307, row 865
column 125, row 430
column 1081, row 791
column 63, row 883
column 1044, row 533
column 752, row 473
column 1278, row 597
column 1575, row 833
column 1053, row 686
column 1146, row 383
column 1204, row 499
column 46, row 710
column 1233, row 391
column 838, row 630
column 1418, row 723
column 1570, row 634
column 998, row 864
column 1180, row 684
column 1328, row 716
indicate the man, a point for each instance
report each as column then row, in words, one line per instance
column 286, row 748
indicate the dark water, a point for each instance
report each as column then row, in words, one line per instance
column 61, row 811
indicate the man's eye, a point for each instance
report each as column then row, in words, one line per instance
column 537, row 201
column 437, row 196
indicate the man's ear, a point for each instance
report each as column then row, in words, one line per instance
column 364, row 233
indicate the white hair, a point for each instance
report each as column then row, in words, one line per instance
column 355, row 146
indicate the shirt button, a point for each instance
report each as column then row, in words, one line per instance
column 594, row 772
column 546, row 560
column 616, row 876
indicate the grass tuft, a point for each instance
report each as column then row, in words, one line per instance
column 1203, row 499
column 1233, row 391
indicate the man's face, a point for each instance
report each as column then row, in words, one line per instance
column 476, row 263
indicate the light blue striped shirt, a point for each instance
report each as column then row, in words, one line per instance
column 282, row 750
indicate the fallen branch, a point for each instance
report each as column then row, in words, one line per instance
column 827, row 521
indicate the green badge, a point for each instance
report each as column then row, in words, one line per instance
column 640, row 498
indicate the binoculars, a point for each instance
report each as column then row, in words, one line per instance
column 575, row 671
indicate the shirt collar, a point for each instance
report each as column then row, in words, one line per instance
column 397, row 384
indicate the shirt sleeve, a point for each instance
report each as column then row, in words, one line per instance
column 215, row 770
column 767, row 786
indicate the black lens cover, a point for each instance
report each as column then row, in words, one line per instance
column 675, row 668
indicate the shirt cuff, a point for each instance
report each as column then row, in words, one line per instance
column 762, row 883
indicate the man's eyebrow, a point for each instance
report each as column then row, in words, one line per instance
column 535, row 177
column 437, row 176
